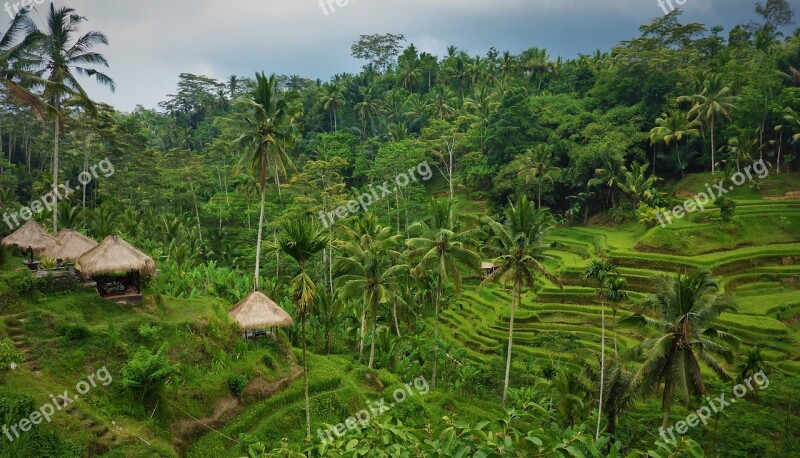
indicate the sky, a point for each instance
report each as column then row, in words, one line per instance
column 153, row 41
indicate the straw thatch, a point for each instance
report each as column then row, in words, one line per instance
column 72, row 246
column 31, row 235
column 257, row 311
column 115, row 256
column 488, row 265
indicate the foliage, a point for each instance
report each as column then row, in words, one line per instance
column 727, row 208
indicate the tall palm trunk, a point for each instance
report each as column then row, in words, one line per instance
column 305, row 379
column 55, row 170
column 514, row 303
column 394, row 312
column 372, row 344
column 436, row 330
column 713, row 164
column 363, row 332
column 602, row 367
column 260, row 234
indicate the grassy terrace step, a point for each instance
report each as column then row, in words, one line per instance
column 720, row 262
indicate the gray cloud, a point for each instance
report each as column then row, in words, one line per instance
column 152, row 41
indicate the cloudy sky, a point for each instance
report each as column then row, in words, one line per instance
column 152, row 41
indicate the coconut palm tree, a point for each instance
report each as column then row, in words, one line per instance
column 332, row 99
column 301, row 241
column 672, row 127
column 367, row 271
column 268, row 131
column 538, row 163
column 601, row 271
column 442, row 246
column 519, row 245
column 713, row 103
column 17, row 54
column 751, row 362
column 687, row 306
column 635, row 183
column 63, row 57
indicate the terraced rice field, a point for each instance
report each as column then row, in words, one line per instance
column 559, row 326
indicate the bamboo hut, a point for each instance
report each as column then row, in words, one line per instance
column 117, row 268
column 257, row 311
column 488, row 268
column 72, row 245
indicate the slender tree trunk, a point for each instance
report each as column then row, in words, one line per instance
column 305, row 379
column 514, row 304
column 602, row 368
column 327, row 342
column 55, row 170
column 713, row 164
column 372, row 344
column 394, row 312
column 363, row 332
column 260, row 234
column 436, row 330
column 780, row 144
column 540, row 193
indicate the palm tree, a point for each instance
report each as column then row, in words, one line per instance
column 538, row 163
column 744, row 145
column 367, row 108
column 713, row 103
column 367, row 271
column 610, row 174
column 301, row 241
column 569, row 393
column 331, row 100
column 672, row 127
column 442, row 246
column 268, row 131
column 519, row 245
column 16, row 54
column 63, row 58
column 601, row 271
column 618, row 394
column 635, row 183
column 686, row 308
column 751, row 362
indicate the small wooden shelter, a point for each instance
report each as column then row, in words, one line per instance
column 72, row 245
column 488, row 268
column 31, row 235
column 257, row 311
column 117, row 268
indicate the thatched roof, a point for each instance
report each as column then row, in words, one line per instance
column 72, row 246
column 31, row 235
column 488, row 265
column 258, row 311
column 114, row 256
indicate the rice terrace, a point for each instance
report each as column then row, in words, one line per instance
column 428, row 229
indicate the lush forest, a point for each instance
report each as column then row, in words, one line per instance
column 365, row 206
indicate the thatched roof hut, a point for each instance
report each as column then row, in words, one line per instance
column 72, row 246
column 31, row 235
column 115, row 256
column 257, row 311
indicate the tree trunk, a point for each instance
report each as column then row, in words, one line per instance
column 260, row 234
column 436, row 330
column 394, row 312
column 540, row 193
column 327, row 342
column 363, row 332
column 55, row 171
column 514, row 303
column 305, row 379
column 372, row 344
column 713, row 165
column 780, row 144
column 602, row 368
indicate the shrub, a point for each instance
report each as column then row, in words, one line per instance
column 74, row 332
column 147, row 372
column 237, row 383
column 727, row 208
column 20, row 282
column 269, row 361
column 53, row 286
column 8, row 355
